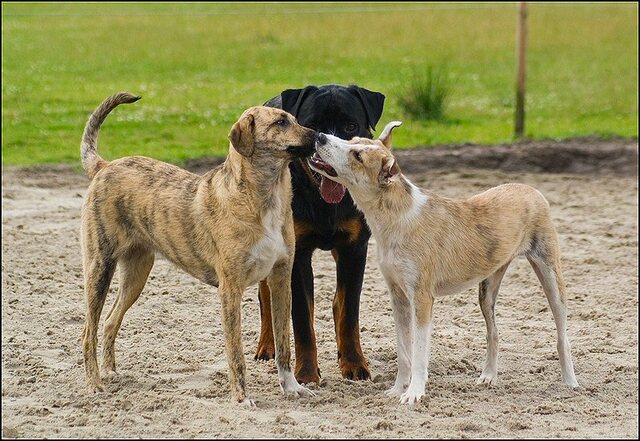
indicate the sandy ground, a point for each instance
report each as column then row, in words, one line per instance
column 172, row 370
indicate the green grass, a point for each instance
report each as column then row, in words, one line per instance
column 199, row 65
column 426, row 95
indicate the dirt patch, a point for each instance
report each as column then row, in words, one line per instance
column 579, row 155
column 172, row 371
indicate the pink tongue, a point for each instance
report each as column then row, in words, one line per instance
column 331, row 191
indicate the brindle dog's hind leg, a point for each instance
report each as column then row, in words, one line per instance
column 134, row 268
column 98, row 272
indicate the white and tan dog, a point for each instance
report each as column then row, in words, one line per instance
column 430, row 246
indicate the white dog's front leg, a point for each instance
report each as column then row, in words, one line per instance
column 403, row 319
column 419, row 364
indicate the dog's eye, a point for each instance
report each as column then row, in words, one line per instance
column 351, row 127
column 282, row 122
column 356, row 155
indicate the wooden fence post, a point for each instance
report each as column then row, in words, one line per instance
column 521, row 76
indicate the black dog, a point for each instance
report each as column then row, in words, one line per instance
column 325, row 217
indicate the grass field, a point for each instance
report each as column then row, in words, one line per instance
column 199, row 65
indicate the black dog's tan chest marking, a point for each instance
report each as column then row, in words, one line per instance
column 345, row 233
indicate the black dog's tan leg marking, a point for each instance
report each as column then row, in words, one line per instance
column 266, row 347
column 346, row 308
column 99, row 269
column 134, row 268
column 488, row 293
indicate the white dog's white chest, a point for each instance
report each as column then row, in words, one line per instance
column 398, row 269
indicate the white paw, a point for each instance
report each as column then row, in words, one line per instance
column 411, row 396
column 572, row 383
column 395, row 391
column 291, row 388
column 490, row 378
column 298, row 391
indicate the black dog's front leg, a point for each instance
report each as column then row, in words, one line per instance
column 266, row 347
column 307, row 370
column 350, row 262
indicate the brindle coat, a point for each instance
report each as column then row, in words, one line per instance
column 230, row 228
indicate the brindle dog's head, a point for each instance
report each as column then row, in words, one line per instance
column 263, row 132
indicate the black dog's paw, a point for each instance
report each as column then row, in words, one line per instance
column 265, row 352
column 355, row 371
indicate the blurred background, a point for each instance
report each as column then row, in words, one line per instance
column 447, row 69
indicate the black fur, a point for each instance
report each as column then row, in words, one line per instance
column 344, row 112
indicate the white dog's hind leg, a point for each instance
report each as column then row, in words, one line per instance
column 488, row 293
column 544, row 257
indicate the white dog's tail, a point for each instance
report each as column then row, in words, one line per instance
column 91, row 161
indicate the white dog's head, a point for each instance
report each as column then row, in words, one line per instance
column 362, row 165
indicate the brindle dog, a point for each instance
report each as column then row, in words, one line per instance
column 230, row 228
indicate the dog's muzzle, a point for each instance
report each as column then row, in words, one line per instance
column 303, row 150
column 321, row 139
column 316, row 161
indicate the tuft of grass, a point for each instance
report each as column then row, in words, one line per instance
column 427, row 95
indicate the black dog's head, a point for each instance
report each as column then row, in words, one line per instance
column 341, row 111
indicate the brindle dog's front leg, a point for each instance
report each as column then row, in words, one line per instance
column 230, row 298
column 280, row 287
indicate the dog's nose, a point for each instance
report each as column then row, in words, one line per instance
column 322, row 139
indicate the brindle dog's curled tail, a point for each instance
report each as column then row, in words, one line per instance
column 91, row 161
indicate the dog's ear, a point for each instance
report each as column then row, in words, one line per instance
column 373, row 103
column 241, row 135
column 388, row 171
column 292, row 99
column 385, row 136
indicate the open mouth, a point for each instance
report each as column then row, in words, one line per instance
column 331, row 191
column 317, row 163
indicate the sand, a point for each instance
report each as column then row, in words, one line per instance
column 173, row 381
